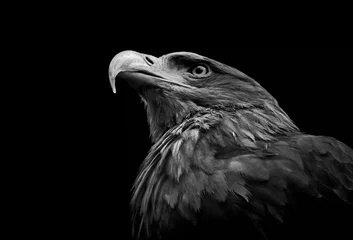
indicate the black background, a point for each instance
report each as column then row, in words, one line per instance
column 101, row 137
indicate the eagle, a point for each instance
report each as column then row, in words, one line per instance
column 226, row 160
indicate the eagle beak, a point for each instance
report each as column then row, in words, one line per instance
column 134, row 67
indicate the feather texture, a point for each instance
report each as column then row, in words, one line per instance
column 224, row 150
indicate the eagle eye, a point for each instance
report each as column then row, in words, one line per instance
column 200, row 71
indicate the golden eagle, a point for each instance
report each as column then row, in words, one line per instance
column 226, row 156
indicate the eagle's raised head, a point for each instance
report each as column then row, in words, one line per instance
column 178, row 85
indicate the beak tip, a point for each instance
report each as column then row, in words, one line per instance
column 112, row 84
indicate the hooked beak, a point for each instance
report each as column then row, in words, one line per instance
column 136, row 68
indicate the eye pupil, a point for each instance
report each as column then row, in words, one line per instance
column 198, row 70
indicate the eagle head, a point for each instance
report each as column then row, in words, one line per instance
column 178, row 85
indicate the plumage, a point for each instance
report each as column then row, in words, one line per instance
column 224, row 151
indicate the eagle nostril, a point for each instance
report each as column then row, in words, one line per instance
column 149, row 60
